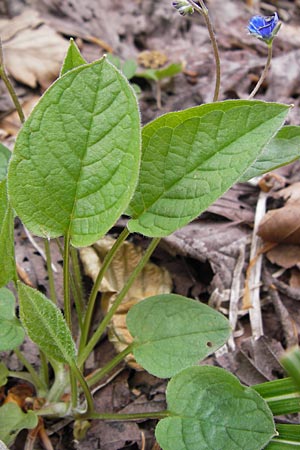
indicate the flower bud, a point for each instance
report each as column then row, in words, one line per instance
column 264, row 28
column 183, row 7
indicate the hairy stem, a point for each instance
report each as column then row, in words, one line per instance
column 10, row 87
column 204, row 12
column 38, row 383
column 98, row 333
column 91, row 303
column 96, row 376
column 85, row 388
column 50, row 271
column 264, row 72
column 124, row 417
column 66, row 275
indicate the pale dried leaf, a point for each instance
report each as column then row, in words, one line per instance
column 281, row 225
column 33, row 51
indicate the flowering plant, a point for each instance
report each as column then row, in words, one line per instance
column 80, row 161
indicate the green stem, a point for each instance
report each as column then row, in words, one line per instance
column 10, row 87
column 123, row 417
column 77, row 301
column 204, row 12
column 39, row 385
column 77, row 277
column 85, row 388
column 66, row 275
column 96, row 376
column 50, row 271
column 60, row 382
column 25, row 376
column 264, row 73
column 44, row 368
column 91, row 302
column 98, row 333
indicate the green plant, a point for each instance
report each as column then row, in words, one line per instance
column 80, row 161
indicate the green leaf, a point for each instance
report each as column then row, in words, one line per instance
column 288, row 439
column 3, row 375
column 76, row 159
column 7, row 252
column 283, row 149
column 190, row 158
column 4, row 158
column 13, row 420
column 115, row 60
column 11, row 331
column 45, row 325
column 73, row 58
column 172, row 332
column 210, row 410
column 159, row 74
column 129, row 68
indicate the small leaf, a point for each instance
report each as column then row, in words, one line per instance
column 4, row 158
column 11, row 331
column 210, row 410
column 172, row 332
column 3, row 375
column 129, row 68
column 283, row 149
column 73, row 58
column 159, row 74
column 7, row 264
column 76, row 159
column 13, row 420
column 45, row 325
column 190, row 158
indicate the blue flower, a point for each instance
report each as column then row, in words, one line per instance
column 183, row 7
column 264, row 28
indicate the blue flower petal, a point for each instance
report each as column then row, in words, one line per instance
column 263, row 27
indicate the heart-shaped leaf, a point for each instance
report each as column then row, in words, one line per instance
column 210, row 410
column 172, row 332
column 46, row 325
column 283, row 149
column 76, row 159
column 11, row 331
column 190, row 158
column 4, row 158
column 13, row 420
column 7, row 264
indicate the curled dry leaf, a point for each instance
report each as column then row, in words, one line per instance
column 33, row 51
column 153, row 280
column 282, row 225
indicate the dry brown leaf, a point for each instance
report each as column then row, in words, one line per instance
column 282, row 225
column 285, row 255
column 153, row 280
column 33, row 51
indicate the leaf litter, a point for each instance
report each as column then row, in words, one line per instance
column 203, row 257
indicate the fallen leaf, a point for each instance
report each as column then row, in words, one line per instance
column 33, row 52
column 153, row 280
column 282, row 225
column 285, row 255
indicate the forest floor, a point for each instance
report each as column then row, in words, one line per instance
column 208, row 258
